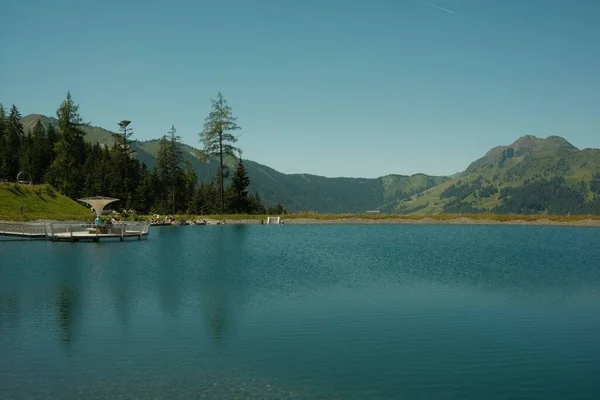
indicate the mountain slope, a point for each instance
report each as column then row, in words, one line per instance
column 532, row 175
column 299, row 192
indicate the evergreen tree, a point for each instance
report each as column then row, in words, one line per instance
column 52, row 139
column 40, row 152
column 198, row 200
column 124, row 153
column 211, row 198
column 277, row 209
column 115, row 174
column 238, row 198
column 218, row 139
column 52, row 136
column 168, row 165
column 133, row 179
column 65, row 171
column 255, row 204
column 12, row 144
column 2, row 140
column 27, row 156
column 157, row 190
column 143, row 198
column 190, row 179
column 94, row 171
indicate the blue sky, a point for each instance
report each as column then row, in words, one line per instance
column 330, row 87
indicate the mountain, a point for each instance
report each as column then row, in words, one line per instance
column 532, row 175
column 299, row 192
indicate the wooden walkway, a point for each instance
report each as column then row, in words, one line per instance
column 95, row 237
column 74, row 232
column 23, row 234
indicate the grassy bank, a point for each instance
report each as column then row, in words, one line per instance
column 38, row 202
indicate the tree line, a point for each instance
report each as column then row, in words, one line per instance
column 59, row 156
column 553, row 196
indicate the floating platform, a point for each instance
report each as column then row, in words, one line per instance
column 75, row 232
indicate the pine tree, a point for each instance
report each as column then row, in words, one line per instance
column 199, row 200
column 40, row 152
column 143, row 198
column 115, row 174
column 27, row 157
column 256, row 204
column 218, row 139
column 2, row 141
column 93, row 170
column 238, row 200
column 211, row 198
column 65, row 171
column 190, row 179
column 12, row 144
column 277, row 209
column 52, row 136
column 168, row 165
column 125, row 152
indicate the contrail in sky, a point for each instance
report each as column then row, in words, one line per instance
column 440, row 8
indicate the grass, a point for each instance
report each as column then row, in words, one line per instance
column 38, row 202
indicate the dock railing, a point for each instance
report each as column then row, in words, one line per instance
column 73, row 229
column 26, row 229
column 121, row 229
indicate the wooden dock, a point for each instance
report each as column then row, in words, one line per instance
column 23, row 234
column 75, row 232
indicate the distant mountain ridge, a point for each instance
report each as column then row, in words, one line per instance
column 531, row 175
column 299, row 192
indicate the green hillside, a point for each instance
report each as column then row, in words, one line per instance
column 39, row 202
column 532, row 175
column 299, row 192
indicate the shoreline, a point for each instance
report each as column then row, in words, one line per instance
column 414, row 221
column 584, row 222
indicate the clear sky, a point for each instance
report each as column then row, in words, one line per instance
column 329, row 87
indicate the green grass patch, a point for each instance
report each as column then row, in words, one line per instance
column 38, row 202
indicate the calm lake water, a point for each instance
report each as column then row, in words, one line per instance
column 321, row 311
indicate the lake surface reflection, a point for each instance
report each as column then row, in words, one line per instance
column 323, row 311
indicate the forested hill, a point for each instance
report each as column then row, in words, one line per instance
column 298, row 192
column 530, row 176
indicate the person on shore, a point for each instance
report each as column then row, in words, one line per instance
column 98, row 221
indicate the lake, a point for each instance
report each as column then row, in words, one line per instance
column 305, row 312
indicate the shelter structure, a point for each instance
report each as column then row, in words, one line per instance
column 98, row 203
